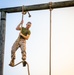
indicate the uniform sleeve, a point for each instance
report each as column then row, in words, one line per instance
column 29, row 32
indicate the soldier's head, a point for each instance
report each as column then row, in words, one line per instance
column 28, row 25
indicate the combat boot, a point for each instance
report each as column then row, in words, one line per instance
column 12, row 63
column 24, row 63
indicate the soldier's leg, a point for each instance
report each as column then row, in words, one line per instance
column 23, row 49
column 14, row 48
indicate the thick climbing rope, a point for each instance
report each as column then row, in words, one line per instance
column 27, row 66
column 50, row 7
column 23, row 13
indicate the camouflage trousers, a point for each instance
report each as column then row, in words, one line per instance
column 19, row 43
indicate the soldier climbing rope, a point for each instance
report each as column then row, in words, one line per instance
column 3, row 12
column 24, row 62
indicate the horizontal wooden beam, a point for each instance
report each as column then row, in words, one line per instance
column 44, row 6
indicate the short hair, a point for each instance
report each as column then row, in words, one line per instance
column 29, row 22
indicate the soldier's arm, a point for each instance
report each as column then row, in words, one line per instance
column 19, row 26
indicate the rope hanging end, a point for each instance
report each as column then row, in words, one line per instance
column 24, row 12
column 29, row 14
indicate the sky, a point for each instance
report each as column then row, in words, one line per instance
column 38, row 48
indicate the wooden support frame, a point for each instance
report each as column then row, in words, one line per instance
column 39, row 7
column 2, row 39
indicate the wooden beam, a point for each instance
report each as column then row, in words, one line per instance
column 39, row 6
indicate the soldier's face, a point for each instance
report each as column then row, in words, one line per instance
column 28, row 25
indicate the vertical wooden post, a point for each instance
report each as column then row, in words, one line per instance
column 2, row 39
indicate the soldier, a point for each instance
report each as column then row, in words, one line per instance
column 21, row 41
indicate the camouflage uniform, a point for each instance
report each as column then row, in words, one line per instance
column 19, row 43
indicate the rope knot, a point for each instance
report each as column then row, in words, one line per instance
column 23, row 12
column 50, row 6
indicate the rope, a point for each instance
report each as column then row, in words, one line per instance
column 50, row 5
column 28, row 68
column 22, row 16
column 23, row 13
column 22, row 20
